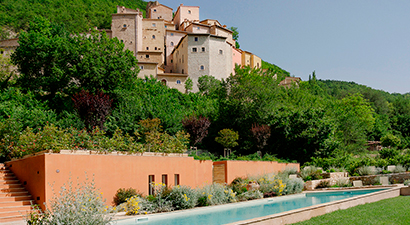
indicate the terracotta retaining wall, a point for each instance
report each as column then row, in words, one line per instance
column 234, row 169
column 43, row 172
column 40, row 173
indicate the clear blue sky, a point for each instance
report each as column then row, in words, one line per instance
column 364, row 41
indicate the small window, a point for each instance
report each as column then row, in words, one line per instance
column 203, row 49
column 198, row 28
column 141, row 67
column 202, row 67
column 170, row 71
column 166, row 26
column 124, row 26
column 155, row 10
column 153, row 36
column 156, row 48
column 147, row 56
column 151, row 179
column 147, row 48
column 176, row 179
column 195, row 38
column 172, row 34
column 165, row 179
column 154, row 24
column 194, row 50
column 257, row 65
column 164, row 82
column 172, row 60
column 182, row 71
column 189, row 11
column 178, row 81
column 172, row 43
column 221, row 52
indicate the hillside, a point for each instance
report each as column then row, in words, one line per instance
column 76, row 15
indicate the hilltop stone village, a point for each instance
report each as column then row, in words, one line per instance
column 174, row 46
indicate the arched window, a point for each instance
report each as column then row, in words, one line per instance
column 164, row 82
column 202, row 67
column 172, row 43
column 178, row 82
column 153, row 36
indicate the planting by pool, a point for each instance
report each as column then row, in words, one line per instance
column 233, row 213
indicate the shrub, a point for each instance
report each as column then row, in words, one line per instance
column 250, row 195
column 161, row 199
column 270, row 183
column 399, row 169
column 390, row 140
column 407, row 183
column 293, row 186
column 310, row 173
column 388, row 153
column 215, row 194
column 197, row 128
column 92, row 108
column 138, row 205
column 123, row 194
column 366, row 170
column 183, row 197
column 343, row 182
column 82, row 204
column 323, row 184
column 238, row 185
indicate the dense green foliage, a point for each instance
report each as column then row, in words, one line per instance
column 388, row 211
column 322, row 119
column 77, row 15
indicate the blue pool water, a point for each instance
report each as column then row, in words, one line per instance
column 246, row 210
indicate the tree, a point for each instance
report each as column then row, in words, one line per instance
column 92, row 108
column 235, row 36
column 52, row 61
column 44, row 58
column 354, row 117
column 7, row 71
column 188, row 85
column 227, row 138
column 197, row 128
column 208, row 85
column 261, row 133
column 103, row 64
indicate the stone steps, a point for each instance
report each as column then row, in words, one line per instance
column 15, row 201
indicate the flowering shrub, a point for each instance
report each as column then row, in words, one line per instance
column 160, row 200
column 82, row 204
column 269, row 183
column 138, row 205
column 216, row 194
column 183, row 197
column 123, row 194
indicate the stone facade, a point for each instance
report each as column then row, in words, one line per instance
column 158, row 11
column 190, row 13
column 203, row 54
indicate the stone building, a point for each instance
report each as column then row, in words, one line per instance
column 173, row 47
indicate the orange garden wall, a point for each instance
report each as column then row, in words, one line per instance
column 111, row 172
column 42, row 173
column 234, row 169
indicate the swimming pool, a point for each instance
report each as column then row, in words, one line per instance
column 231, row 213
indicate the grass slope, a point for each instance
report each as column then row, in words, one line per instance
column 388, row 211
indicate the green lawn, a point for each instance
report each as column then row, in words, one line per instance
column 388, row 211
